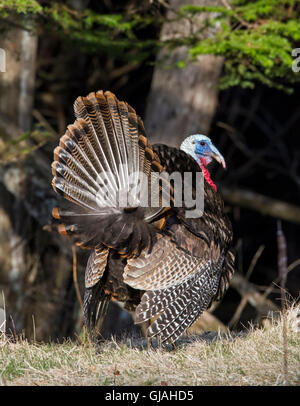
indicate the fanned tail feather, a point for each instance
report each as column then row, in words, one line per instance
column 96, row 168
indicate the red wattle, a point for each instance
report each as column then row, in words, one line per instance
column 206, row 175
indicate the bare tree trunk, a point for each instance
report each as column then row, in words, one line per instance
column 35, row 268
column 17, row 82
column 182, row 101
column 16, row 99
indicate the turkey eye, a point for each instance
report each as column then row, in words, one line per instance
column 202, row 143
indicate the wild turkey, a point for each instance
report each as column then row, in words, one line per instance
column 162, row 263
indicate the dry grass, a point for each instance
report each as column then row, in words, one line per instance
column 255, row 359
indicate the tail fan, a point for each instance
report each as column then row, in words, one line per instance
column 97, row 167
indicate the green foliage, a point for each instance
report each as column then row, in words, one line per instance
column 20, row 7
column 114, row 34
column 256, row 38
column 13, row 149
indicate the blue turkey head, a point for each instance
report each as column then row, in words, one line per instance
column 201, row 148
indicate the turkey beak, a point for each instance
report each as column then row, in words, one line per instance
column 215, row 154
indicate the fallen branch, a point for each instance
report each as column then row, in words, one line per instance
column 263, row 204
column 249, row 291
column 207, row 322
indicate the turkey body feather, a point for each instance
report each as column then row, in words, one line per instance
column 158, row 261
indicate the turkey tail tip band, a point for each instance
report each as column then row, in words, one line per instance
column 56, row 213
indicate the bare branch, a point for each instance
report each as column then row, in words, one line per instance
column 254, row 261
column 75, row 276
column 239, row 310
column 263, row 204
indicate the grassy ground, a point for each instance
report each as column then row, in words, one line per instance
column 253, row 359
